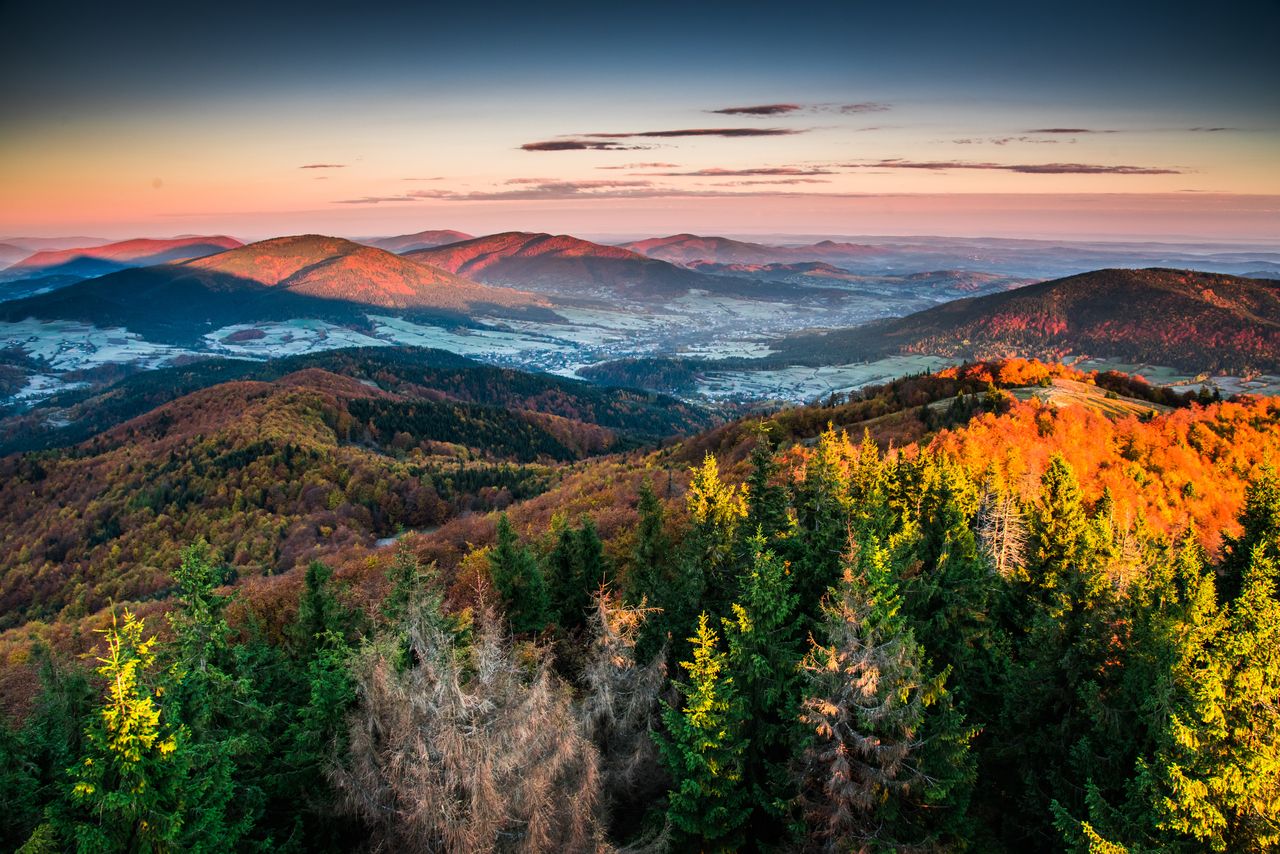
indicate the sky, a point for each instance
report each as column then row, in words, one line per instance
column 1087, row 119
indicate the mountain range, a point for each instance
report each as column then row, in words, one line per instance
column 282, row 278
column 1183, row 319
column 87, row 261
column 688, row 248
column 566, row 266
column 418, row 240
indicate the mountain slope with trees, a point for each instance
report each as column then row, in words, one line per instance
column 1029, row 627
column 1178, row 318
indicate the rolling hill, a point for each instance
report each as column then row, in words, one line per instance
column 565, row 266
column 87, row 261
column 688, row 248
column 419, row 240
column 333, row 268
column 1182, row 319
column 285, row 461
column 307, row 276
column 10, row 254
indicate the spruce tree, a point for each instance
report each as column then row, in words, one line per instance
column 709, row 804
column 1217, row 772
column 764, row 652
column 1260, row 525
column 129, row 790
column 766, row 500
column 888, row 764
column 519, row 581
column 652, row 560
column 716, row 510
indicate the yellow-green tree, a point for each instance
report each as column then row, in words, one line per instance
column 708, row 804
column 127, row 793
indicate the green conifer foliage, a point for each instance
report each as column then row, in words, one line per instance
column 887, row 766
column 129, row 789
column 708, row 805
column 519, row 580
column 764, row 652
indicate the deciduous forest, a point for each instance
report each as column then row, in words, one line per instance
column 948, row 614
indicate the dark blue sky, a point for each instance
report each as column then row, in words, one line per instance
column 153, row 115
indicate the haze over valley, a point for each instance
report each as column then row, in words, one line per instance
column 588, row 428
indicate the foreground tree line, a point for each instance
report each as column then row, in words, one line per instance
column 846, row 652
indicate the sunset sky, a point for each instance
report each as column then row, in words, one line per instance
column 1082, row 119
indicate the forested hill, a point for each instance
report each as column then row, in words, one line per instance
column 1178, row 318
column 1007, row 607
column 74, row 416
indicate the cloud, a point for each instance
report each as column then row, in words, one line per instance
column 771, row 181
column 1210, row 130
column 550, row 190
column 1024, row 168
column 1005, row 140
column 760, row 110
column 741, row 173
column 605, row 141
column 1074, row 131
column 643, row 166
column 324, row 166
column 725, row 132
column 579, row 145
column 865, row 107
column 436, row 178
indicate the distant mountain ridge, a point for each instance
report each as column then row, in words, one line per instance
column 1182, row 319
column 87, row 261
column 563, row 264
column 419, row 240
column 305, row 276
column 689, row 248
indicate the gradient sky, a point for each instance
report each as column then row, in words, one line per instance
column 1081, row 119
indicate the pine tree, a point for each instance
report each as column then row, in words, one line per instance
column 129, row 790
column 566, row 577
column 519, row 580
column 716, row 510
column 708, row 804
column 888, row 765
column 1065, row 633
column 217, row 703
column 620, row 710
column 766, row 501
column 1218, row 769
column 575, row 568
column 949, row 595
column 653, row 560
column 764, row 653
column 825, row 512
column 1260, row 525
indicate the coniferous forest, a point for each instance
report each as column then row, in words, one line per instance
column 946, row 615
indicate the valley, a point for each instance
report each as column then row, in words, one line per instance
column 748, row 319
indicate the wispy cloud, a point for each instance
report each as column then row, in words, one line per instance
column 1210, row 130
column 740, row 173
column 1005, row 140
column 791, row 109
column 1024, row 168
column 725, row 132
column 558, row 190
column 607, row 141
column 643, row 166
column 436, row 178
column 760, row 110
column 1071, row 131
column 324, row 166
column 570, row 144
column 771, row 181
column 864, row 107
